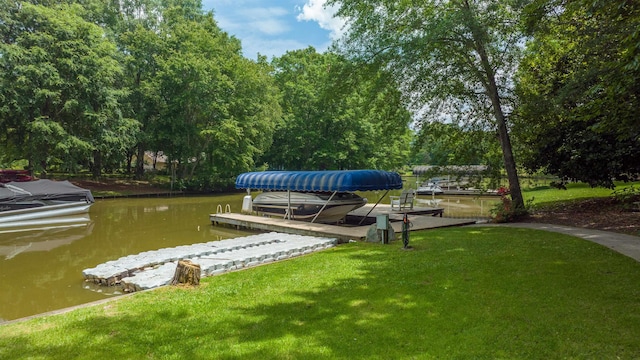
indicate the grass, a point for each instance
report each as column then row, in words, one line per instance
column 574, row 191
column 472, row 292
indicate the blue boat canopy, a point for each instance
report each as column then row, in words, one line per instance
column 338, row 180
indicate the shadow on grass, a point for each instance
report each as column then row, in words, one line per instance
column 461, row 293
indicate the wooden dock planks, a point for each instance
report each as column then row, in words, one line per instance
column 420, row 221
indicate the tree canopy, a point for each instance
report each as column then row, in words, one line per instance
column 334, row 118
column 450, row 144
column 578, row 90
column 453, row 59
column 58, row 85
column 92, row 84
column 217, row 108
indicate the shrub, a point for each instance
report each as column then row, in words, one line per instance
column 504, row 211
column 627, row 196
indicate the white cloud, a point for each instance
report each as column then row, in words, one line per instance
column 315, row 10
column 272, row 27
column 251, row 46
column 270, row 21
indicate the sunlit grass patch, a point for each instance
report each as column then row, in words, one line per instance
column 574, row 191
column 471, row 292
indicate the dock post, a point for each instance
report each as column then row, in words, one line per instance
column 405, row 230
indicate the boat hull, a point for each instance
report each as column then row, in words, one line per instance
column 308, row 206
column 429, row 190
column 42, row 203
column 44, row 215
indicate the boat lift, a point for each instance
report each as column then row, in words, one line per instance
column 333, row 181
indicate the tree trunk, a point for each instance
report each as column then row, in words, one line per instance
column 43, row 172
column 139, row 173
column 97, row 164
column 510, row 165
column 186, row 273
column 130, row 153
column 507, row 153
column 492, row 91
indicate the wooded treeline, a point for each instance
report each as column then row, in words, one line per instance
column 541, row 85
column 93, row 84
column 579, row 90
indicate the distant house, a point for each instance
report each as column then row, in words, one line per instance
column 155, row 161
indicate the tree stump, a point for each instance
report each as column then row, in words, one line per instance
column 187, row 272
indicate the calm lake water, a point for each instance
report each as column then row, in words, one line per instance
column 41, row 271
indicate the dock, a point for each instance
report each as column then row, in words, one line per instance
column 421, row 218
column 285, row 239
column 156, row 268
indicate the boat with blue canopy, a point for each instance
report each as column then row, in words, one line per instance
column 322, row 196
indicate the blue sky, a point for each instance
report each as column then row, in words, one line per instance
column 272, row 27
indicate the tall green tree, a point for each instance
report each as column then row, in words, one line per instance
column 197, row 99
column 579, row 90
column 334, row 118
column 452, row 57
column 217, row 108
column 135, row 28
column 58, row 85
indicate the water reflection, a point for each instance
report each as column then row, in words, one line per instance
column 474, row 207
column 41, row 270
column 45, row 239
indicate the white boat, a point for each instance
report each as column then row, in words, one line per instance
column 429, row 189
column 41, row 203
column 323, row 196
column 324, row 207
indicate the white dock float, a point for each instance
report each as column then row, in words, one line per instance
column 155, row 268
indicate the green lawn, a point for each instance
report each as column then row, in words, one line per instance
column 574, row 191
column 470, row 293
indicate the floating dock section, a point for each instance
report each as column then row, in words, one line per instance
column 156, row 268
